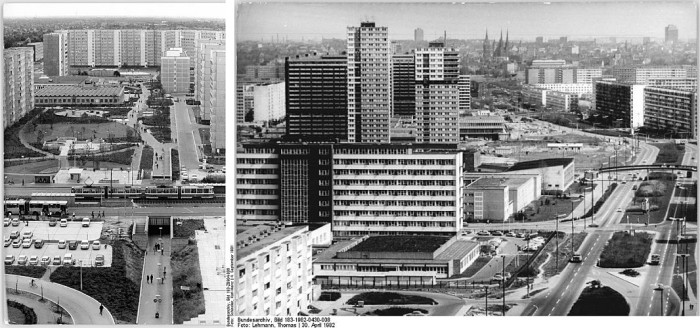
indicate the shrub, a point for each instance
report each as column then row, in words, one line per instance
column 382, row 298
column 329, row 296
column 600, row 301
column 25, row 270
column 29, row 314
column 396, row 311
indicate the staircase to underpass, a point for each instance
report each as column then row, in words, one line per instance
column 140, row 234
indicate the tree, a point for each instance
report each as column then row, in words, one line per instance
column 117, row 74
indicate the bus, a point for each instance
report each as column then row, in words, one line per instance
column 47, row 207
column 15, row 207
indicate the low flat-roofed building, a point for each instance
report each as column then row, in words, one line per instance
column 79, row 95
column 394, row 261
column 557, row 173
column 483, row 127
column 273, row 271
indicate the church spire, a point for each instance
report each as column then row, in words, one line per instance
column 506, row 46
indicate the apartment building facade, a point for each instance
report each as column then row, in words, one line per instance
column 19, row 83
column 671, row 110
column 403, row 84
column 175, row 71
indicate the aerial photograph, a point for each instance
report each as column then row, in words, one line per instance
column 465, row 159
column 114, row 163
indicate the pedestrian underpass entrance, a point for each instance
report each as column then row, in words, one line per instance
column 159, row 226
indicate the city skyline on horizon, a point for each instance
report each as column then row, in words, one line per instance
column 256, row 21
column 206, row 10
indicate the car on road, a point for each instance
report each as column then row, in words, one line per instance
column 194, row 177
column 45, row 260
column 576, row 258
column 99, row 260
column 483, row 233
column 39, row 243
column 619, row 209
column 6, row 222
column 15, row 222
column 96, row 245
column 9, row 259
column 8, row 241
column 64, row 223
column 17, row 243
column 26, row 243
column 34, row 260
column 84, row 244
column 655, row 259
column 22, row 260
column 593, row 225
column 72, row 244
column 52, row 222
column 61, row 244
column 27, row 235
column 56, row 260
column 86, row 222
column 497, row 277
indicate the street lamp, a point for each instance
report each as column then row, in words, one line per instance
column 160, row 230
column 660, row 288
column 503, row 283
column 685, row 280
column 486, row 299
column 81, row 274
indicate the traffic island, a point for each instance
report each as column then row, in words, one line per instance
column 598, row 300
column 626, row 250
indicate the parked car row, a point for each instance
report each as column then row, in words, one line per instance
column 499, row 233
column 46, row 260
column 73, row 244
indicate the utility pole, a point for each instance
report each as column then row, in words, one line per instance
column 556, row 235
column 503, row 284
column 486, row 298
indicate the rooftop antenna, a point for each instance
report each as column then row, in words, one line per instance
column 444, row 40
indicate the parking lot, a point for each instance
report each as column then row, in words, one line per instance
column 51, row 236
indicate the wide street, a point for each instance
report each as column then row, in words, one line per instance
column 185, row 136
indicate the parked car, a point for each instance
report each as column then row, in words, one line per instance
column 64, row 223
column 496, row 233
column 86, row 222
column 6, row 222
column 17, row 243
column 39, row 243
column 14, row 234
column 73, row 244
column 8, row 241
column 96, row 245
column 15, row 222
column 52, row 222
column 510, row 234
column 483, row 233
column 67, row 259
column 84, row 244
column 9, row 259
column 27, row 235
column 34, row 260
column 22, row 260
column 61, row 244
column 45, row 260
column 99, row 260
column 519, row 235
column 26, row 243
column 56, row 260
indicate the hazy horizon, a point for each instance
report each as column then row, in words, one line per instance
column 135, row 10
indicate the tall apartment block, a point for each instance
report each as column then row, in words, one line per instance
column 418, row 35
column 257, row 183
column 19, row 84
column 437, row 94
column 38, row 50
column 305, row 182
column 465, row 98
column 56, row 54
column 671, row 34
column 273, row 272
column 621, row 103
column 403, row 85
column 316, row 98
column 202, row 74
column 396, row 190
column 671, row 110
column 131, row 47
column 215, row 105
column 642, row 75
column 369, row 83
column 175, row 71
column 550, row 71
column 269, row 103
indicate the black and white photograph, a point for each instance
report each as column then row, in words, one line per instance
column 464, row 159
column 114, row 163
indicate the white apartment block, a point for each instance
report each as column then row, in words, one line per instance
column 642, row 75
column 202, row 71
column 369, row 83
column 175, row 72
column 396, row 190
column 273, row 274
column 257, row 184
column 465, row 98
column 437, row 113
column 216, row 104
column 131, row 47
column 269, row 102
column 55, row 54
column 575, row 88
column 19, row 84
column 586, row 75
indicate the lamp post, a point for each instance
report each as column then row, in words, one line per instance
column 685, row 280
column 486, row 299
column 160, row 230
column 81, row 274
column 556, row 235
column 660, row 288
column 503, row 283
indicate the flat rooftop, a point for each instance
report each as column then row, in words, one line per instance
column 69, row 90
column 407, row 244
column 541, row 163
column 268, row 240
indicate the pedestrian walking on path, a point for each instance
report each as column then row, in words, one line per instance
column 101, row 308
column 151, row 278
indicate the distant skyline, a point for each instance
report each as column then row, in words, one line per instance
column 180, row 10
column 467, row 21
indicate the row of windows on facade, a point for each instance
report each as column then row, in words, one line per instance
column 407, row 224
column 436, row 203
column 380, row 213
column 393, row 192
column 40, row 100
column 426, row 183
column 393, row 172
column 383, row 268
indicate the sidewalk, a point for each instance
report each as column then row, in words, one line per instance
column 162, row 292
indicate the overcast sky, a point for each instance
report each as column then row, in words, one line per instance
column 161, row 9
column 524, row 20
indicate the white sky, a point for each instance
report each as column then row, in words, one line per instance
column 194, row 9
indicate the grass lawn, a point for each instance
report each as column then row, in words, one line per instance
column 120, row 157
column 603, row 301
column 95, row 130
column 187, row 304
column 395, row 311
column 550, row 269
column 669, row 153
column 329, row 296
column 110, row 286
column 187, row 228
column 389, row 298
column 13, row 147
column 26, row 270
column 175, row 163
column 400, row 244
column 146, row 162
column 677, row 285
column 625, row 250
column 658, row 185
column 21, row 314
column 547, row 208
column 34, row 167
column 479, row 263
